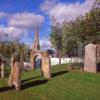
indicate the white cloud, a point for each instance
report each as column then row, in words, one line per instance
column 48, row 4
column 10, row 33
column 25, row 20
column 45, row 44
column 19, row 24
column 2, row 14
column 64, row 11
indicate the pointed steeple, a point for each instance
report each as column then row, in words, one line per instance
column 36, row 45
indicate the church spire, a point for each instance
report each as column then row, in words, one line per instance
column 36, row 45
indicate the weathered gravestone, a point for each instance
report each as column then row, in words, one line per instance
column 15, row 76
column 46, row 65
column 92, row 56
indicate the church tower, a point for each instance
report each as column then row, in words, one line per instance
column 36, row 45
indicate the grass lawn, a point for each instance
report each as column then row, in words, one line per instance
column 73, row 85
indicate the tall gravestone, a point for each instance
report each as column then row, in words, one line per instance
column 15, row 75
column 46, row 65
column 90, row 62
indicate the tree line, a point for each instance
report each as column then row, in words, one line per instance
column 69, row 38
column 8, row 48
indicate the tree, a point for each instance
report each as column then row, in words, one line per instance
column 70, row 37
column 69, row 40
column 88, row 28
column 56, row 39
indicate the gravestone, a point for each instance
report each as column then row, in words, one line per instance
column 46, row 65
column 90, row 62
column 15, row 75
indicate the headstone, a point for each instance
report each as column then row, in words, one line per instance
column 15, row 76
column 46, row 66
column 90, row 63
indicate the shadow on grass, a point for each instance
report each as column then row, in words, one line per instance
column 3, row 89
column 30, row 79
column 33, row 83
column 59, row 73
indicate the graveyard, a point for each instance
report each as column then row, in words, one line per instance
column 51, row 52
column 74, row 85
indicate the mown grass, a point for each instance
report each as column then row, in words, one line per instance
column 64, row 85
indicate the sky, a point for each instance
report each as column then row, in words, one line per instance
column 18, row 18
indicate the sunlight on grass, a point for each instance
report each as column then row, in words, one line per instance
column 72, row 85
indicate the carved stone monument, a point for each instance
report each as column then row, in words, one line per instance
column 92, row 58
column 45, row 60
column 15, row 76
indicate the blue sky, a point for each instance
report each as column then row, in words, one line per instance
column 19, row 17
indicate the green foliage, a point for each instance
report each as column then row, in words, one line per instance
column 75, row 34
column 9, row 48
column 56, row 37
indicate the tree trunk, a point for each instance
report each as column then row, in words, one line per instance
column 60, row 58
